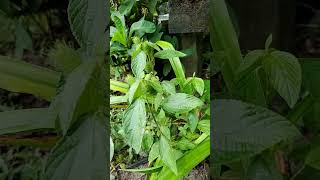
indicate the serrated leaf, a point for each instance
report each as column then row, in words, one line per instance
column 168, row 54
column 284, row 72
column 181, row 103
column 21, row 77
column 234, row 126
column 27, row 120
column 88, row 23
column 138, row 64
column 85, row 146
column 198, row 85
column 167, row 154
column 134, row 124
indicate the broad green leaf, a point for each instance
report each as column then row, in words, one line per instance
column 154, row 152
column 250, row 63
column 82, row 154
column 147, row 141
column 126, row 7
column 64, row 58
column 167, row 154
column 88, row 23
column 135, row 91
column 134, row 124
column 313, row 158
column 141, row 27
column 198, row 85
column 204, row 126
column 21, row 77
column 224, row 39
column 284, row 73
column 234, row 126
column 184, row 144
column 181, row 103
column 155, row 84
column 152, row 4
column 158, row 101
column 145, row 170
column 168, row 87
column 168, row 54
column 138, row 64
column 26, row 120
column 80, row 95
column 187, row 162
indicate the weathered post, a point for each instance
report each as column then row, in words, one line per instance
column 189, row 18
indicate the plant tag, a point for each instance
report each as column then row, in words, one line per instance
column 188, row 16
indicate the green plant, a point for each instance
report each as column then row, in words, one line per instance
column 250, row 139
column 78, row 94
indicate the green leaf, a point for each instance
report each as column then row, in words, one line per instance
column 184, row 164
column 119, row 86
column 145, row 170
column 168, row 87
column 88, row 23
column 134, row 91
column 111, row 148
column 224, row 39
column 155, row 84
column 250, row 63
column 260, row 169
column 118, row 99
column 26, row 120
column 64, row 58
column 198, row 85
column 134, row 124
column 126, row 7
column 235, row 124
column 193, row 120
column 141, row 27
column 154, row 152
column 175, row 63
column 167, row 154
column 168, row 54
column 311, row 75
column 80, row 95
column 184, row 144
column 181, row 103
column 81, row 155
column 21, row 77
column 268, row 42
column 138, row 64
column 313, row 158
column 204, row 126
column 284, row 72
column 158, row 101
column 23, row 40
column 120, row 34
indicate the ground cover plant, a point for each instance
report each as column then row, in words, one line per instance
column 164, row 119
column 76, row 89
column 265, row 108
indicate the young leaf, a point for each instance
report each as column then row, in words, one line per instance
column 138, row 64
column 168, row 54
column 134, row 124
column 167, row 154
column 181, row 103
column 27, row 120
column 284, row 72
column 198, row 85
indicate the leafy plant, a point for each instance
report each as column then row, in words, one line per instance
column 78, row 95
column 250, row 139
